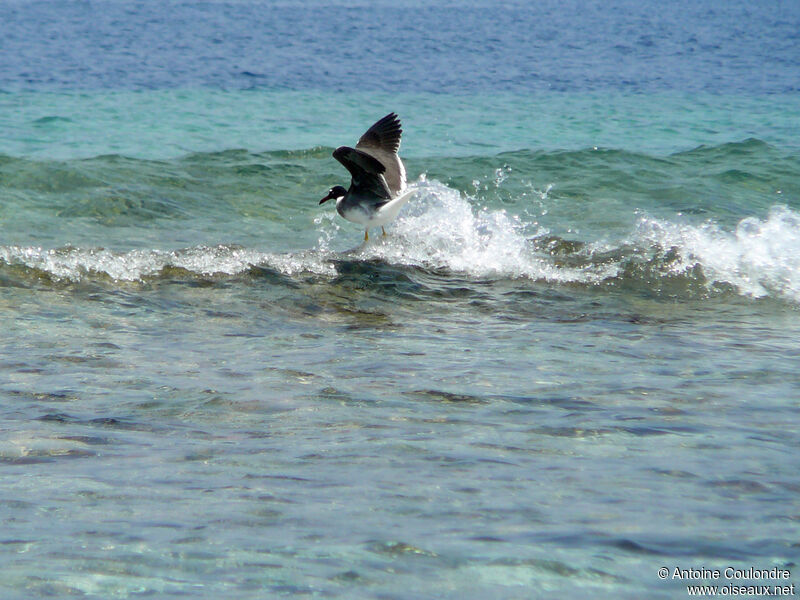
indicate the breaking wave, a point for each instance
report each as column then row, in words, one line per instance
column 442, row 231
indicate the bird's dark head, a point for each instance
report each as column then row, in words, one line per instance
column 334, row 193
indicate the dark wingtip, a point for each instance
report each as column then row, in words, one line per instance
column 392, row 119
column 384, row 134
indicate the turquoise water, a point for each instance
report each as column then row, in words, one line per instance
column 572, row 361
column 172, row 123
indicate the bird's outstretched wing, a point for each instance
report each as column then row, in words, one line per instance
column 366, row 172
column 383, row 135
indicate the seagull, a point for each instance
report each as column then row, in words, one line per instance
column 378, row 184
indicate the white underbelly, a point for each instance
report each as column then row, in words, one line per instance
column 375, row 218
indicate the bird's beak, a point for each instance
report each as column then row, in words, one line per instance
column 326, row 198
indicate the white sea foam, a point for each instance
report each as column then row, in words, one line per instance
column 75, row 264
column 440, row 229
column 760, row 258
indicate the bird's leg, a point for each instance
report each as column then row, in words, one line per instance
column 383, row 230
column 366, row 235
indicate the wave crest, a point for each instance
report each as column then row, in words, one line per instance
column 76, row 264
column 759, row 258
column 443, row 232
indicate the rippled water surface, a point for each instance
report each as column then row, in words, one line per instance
column 572, row 360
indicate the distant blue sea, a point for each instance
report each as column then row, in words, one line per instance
column 571, row 362
column 403, row 46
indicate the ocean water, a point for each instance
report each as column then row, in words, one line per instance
column 573, row 360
